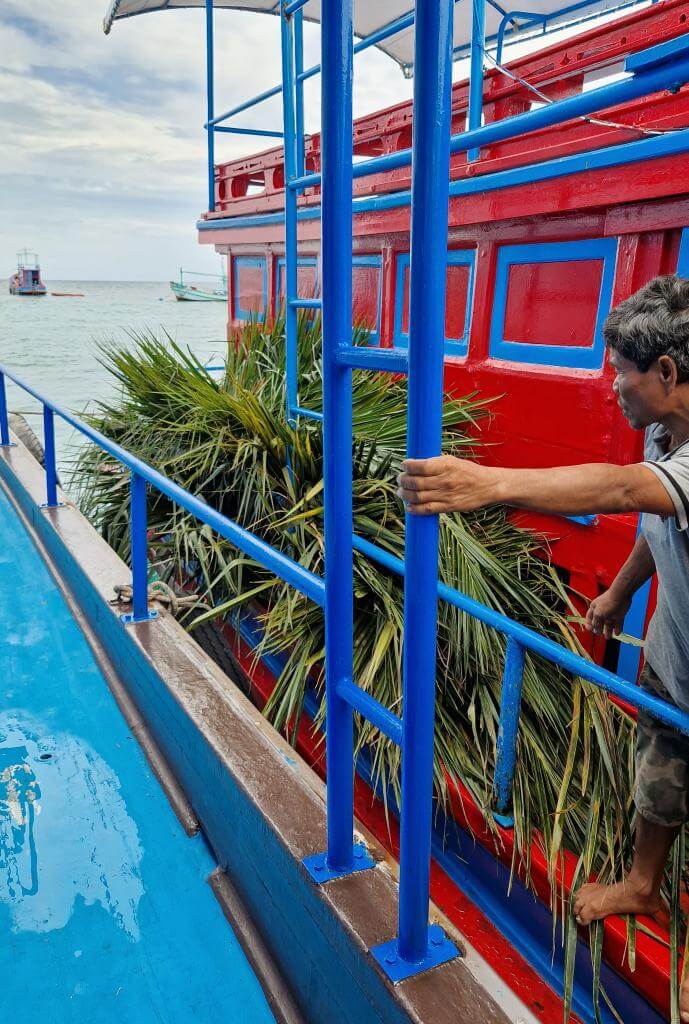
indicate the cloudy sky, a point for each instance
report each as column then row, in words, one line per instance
column 102, row 152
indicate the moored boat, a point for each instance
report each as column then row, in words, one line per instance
column 185, row 292
column 27, row 278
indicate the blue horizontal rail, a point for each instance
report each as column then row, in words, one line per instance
column 541, row 645
column 263, row 132
column 648, row 80
column 386, row 359
column 378, row 715
column 305, row 303
column 285, row 568
column 308, row 414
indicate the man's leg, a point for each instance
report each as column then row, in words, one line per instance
column 639, row 893
column 662, row 804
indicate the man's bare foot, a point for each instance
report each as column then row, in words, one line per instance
column 594, row 901
column 684, row 1000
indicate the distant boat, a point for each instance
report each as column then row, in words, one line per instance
column 27, row 279
column 185, row 292
column 68, row 295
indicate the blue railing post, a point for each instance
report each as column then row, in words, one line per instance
column 478, row 37
column 342, row 856
column 429, row 211
column 49, row 456
column 506, row 752
column 139, row 553
column 4, row 420
column 210, row 130
column 299, row 94
column 291, row 323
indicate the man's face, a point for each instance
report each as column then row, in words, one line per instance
column 641, row 396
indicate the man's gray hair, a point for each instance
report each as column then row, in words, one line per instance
column 651, row 323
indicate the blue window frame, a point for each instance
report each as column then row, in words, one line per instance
column 683, row 257
column 377, row 262
column 305, row 261
column 583, row 357
column 241, row 262
column 455, row 258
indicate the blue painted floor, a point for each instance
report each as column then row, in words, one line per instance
column 105, row 913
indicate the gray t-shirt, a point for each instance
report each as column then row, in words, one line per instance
column 667, row 641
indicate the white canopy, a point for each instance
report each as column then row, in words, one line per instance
column 372, row 15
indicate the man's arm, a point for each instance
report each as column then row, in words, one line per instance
column 446, row 484
column 607, row 612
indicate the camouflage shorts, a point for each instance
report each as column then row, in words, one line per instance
column 662, row 764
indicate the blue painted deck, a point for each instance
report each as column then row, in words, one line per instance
column 105, row 912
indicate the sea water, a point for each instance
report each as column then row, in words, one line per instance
column 53, row 343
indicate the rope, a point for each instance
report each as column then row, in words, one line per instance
column 161, row 592
column 581, row 117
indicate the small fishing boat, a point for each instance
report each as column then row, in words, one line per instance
column 27, row 278
column 68, row 295
column 185, row 292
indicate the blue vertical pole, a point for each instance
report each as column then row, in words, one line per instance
column 49, row 456
column 430, row 180
column 634, row 624
column 291, row 325
column 137, row 527
column 336, row 141
column 298, row 69
column 478, row 38
column 510, row 705
column 210, row 104
column 4, row 421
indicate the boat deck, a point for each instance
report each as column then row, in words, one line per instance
column 103, row 897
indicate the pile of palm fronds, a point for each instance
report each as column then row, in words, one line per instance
column 231, row 444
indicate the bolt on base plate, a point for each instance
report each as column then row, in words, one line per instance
column 128, row 618
column 319, row 869
column 439, row 951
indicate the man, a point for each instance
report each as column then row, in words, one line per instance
column 648, row 340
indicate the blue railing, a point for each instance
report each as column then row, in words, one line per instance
column 415, row 948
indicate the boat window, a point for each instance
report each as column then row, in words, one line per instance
column 250, row 287
column 460, row 288
column 367, row 281
column 550, row 302
column 307, row 279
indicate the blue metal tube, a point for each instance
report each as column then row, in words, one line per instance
column 656, row 79
column 336, row 254
column 305, row 303
column 4, row 421
column 385, row 359
column 246, row 105
column 478, row 37
column 293, row 6
column 540, row 645
column 430, row 181
column 291, row 325
column 299, row 89
column 247, row 131
column 49, row 456
column 210, row 104
column 375, row 712
column 510, row 706
column 291, row 572
column 308, row 414
column 137, row 528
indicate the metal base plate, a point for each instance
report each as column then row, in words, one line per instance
column 58, row 504
column 317, row 865
column 129, row 619
column 439, row 951
column 11, row 444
